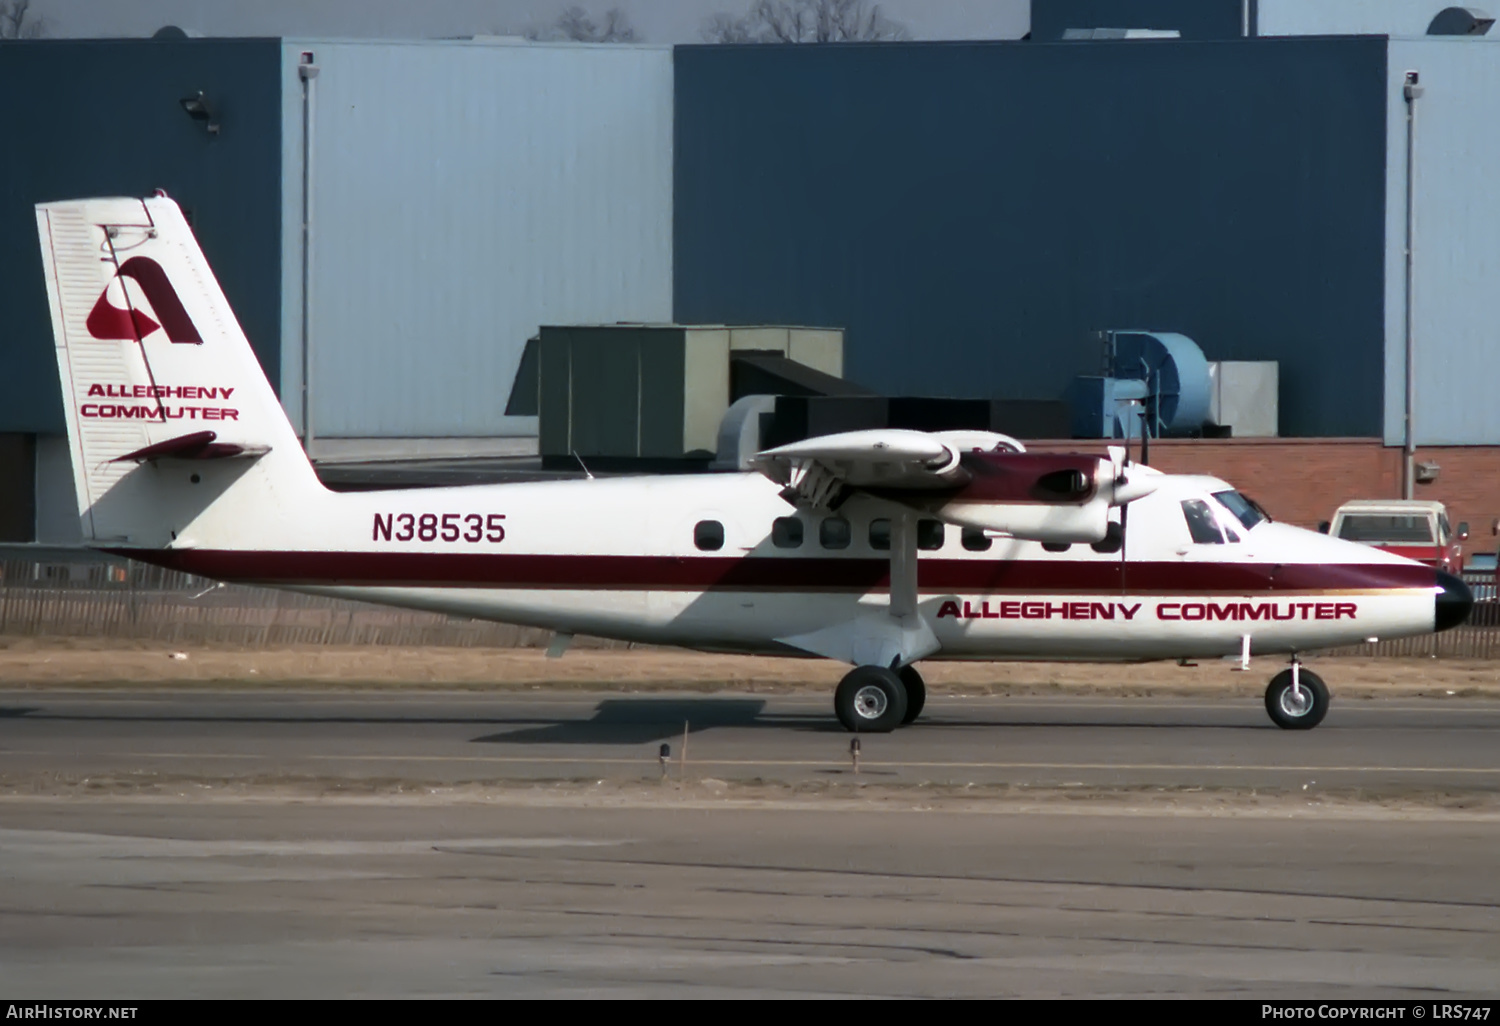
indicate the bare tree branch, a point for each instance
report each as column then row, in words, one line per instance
column 14, row 21
column 805, row 21
column 726, row 28
column 577, row 25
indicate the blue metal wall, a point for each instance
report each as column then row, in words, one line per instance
column 91, row 118
column 971, row 212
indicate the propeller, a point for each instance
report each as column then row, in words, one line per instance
column 1119, row 456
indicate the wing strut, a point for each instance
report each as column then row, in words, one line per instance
column 903, row 566
column 892, row 637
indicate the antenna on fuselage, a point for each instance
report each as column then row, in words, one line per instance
column 582, row 464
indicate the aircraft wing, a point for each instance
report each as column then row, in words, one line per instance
column 969, row 478
column 889, row 457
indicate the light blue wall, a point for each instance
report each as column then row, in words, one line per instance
column 464, row 194
column 1347, row 17
column 1457, row 279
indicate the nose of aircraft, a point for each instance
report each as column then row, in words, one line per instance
column 1452, row 604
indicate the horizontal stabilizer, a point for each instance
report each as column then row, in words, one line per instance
column 200, row 445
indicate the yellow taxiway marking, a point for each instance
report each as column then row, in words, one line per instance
column 864, row 763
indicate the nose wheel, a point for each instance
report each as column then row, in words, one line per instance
column 1297, row 699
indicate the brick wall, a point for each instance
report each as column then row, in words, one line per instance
column 1303, row 480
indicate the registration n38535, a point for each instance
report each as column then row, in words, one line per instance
column 448, row 527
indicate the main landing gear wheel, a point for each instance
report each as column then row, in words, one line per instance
column 1293, row 710
column 870, row 700
column 916, row 693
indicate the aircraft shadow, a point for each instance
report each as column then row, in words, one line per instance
column 634, row 721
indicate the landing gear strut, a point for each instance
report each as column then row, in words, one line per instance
column 1297, row 698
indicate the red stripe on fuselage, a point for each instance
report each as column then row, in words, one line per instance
column 1429, row 554
column 730, row 573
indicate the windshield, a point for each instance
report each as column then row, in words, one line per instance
column 1386, row 527
column 1244, row 509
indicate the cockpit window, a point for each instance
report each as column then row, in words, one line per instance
column 1202, row 524
column 1245, row 510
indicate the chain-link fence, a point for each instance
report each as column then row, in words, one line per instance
column 128, row 600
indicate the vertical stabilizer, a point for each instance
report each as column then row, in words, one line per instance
column 158, row 378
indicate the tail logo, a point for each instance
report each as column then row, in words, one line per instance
column 109, row 322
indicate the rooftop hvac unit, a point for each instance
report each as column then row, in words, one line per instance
column 637, row 395
column 1460, row 21
column 1155, row 380
column 1243, row 397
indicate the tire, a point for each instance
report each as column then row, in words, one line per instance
column 916, row 692
column 1283, row 709
column 870, row 700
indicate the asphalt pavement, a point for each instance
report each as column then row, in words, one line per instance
column 207, row 734
column 282, row 843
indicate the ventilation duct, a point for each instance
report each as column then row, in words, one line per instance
column 1460, row 21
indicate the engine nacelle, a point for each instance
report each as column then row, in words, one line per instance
column 1058, row 498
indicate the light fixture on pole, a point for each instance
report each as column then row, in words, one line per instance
column 1411, row 91
column 198, row 109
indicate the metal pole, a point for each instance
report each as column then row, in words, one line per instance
column 1411, row 91
column 307, row 71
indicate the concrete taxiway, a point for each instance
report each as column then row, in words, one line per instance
column 156, row 899
column 308, row 844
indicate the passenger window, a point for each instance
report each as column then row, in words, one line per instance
column 708, row 535
column 1202, row 524
column 880, row 535
column 975, row 540
column 930, row 534
column 786, row 533
column 1113, row 540
column 834, row 533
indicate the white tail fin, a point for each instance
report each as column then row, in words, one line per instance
column 169, row 414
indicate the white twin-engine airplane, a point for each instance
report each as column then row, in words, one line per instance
column 874, row 548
